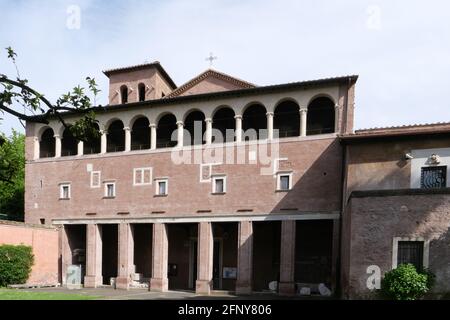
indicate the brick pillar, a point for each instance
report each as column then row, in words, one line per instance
column 245, row 258
column 204, row 283
column 160, row 253
column 37, row 147
column 126, row 255
column 94, row 276
column 66, row 254
column 287, row 258
column 335, row 255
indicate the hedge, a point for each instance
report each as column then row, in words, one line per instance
column 15, row 264
column 406, row 283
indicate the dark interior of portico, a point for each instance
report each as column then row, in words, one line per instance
column 266, row 254
column 143, row 249
column 110, row 247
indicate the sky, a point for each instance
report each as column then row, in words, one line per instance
column 400, row 49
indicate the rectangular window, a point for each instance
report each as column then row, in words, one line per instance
column 433, row 177
column 142, row 176
column 64, row 191
column 219, row 185
column 95, row 179
column 284, row 182
column 110, row 190
column 410, row 252
column 162, row 187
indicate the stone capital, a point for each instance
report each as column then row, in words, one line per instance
column 208, row 120
column 126, row 129
column 103, row 132
column 270, row 114
column 180, row 123
column 304, row 109
column 57, row 136
column 153, row 125
column 238, row 117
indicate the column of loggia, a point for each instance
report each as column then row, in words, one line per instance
column 238, row 119
column 303, row 121
column 153, row 132
column 160, row 253
column 209, row 130
column 180, row 130
column 287, row 258
column 93, row 278
column 126, row 256
column 204, row 283
column 180, row 134
column 270, row 116
column 58, row 146
column 127, row 139
column 245, row 258
column 104, row 141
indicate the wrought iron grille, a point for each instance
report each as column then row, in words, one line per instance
column 410, row 252
column 433, row 177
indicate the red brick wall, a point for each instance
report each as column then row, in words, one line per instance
column 45, row 244
column 376, row 221
column 316, row 166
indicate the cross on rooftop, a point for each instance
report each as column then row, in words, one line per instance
column 211, row 59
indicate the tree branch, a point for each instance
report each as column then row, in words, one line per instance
column 38, row 119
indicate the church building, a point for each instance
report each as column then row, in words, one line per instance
column 223, row 185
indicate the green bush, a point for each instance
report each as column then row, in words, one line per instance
column 406, row 283
column 15, row 264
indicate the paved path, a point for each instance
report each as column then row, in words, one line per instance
column 144, row 294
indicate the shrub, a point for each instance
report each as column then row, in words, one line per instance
column 405, row 283
column 15, row 264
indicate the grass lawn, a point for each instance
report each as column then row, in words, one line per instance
column 6, row 294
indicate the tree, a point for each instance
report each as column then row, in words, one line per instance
column 20, row 100
column 12, row 176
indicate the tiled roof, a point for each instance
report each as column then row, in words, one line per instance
column 155, row 64
column 403, row 127
column 226, row 94
column 210, row 73
column 399, row 131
